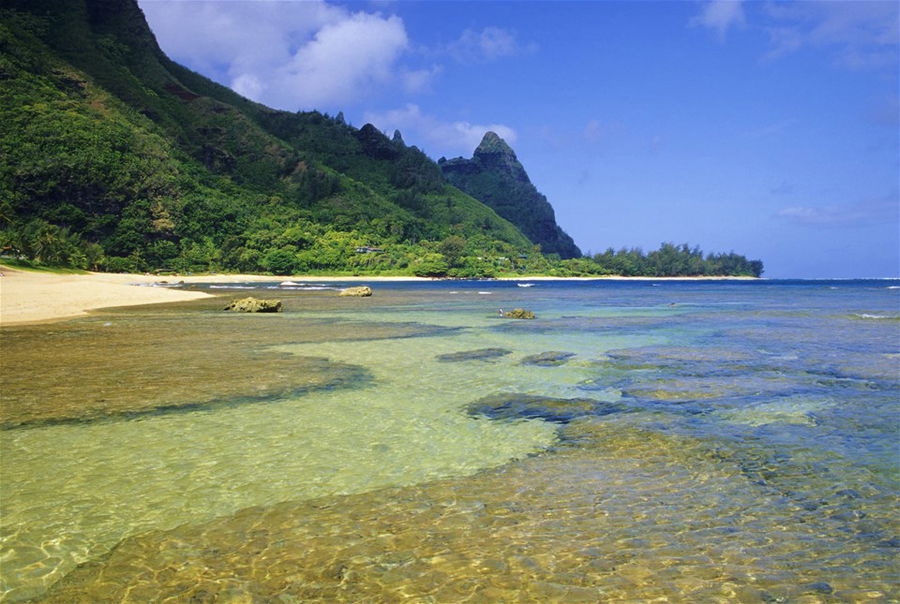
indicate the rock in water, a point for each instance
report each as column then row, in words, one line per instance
column 482, row 354
column 362, row 291
column 507, row 406
column 518, row 313
column 551, row 358
column 251, row 304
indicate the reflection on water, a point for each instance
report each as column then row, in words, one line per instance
column 738, row 446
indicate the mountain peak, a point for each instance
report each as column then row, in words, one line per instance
column 495, row 177
column 493, row 144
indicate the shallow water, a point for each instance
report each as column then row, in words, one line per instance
column 697, row 442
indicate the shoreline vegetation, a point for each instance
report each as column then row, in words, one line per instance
column 34, row 296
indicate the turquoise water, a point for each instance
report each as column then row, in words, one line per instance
column 692, row 441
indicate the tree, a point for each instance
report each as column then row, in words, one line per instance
column 281, row 261
column 452, row 248
column 430, row 265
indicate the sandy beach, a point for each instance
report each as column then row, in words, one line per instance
column 35, row 297
column 32, row 296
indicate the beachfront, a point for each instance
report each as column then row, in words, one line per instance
column 32, row 297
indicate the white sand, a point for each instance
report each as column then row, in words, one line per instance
column 29, row 297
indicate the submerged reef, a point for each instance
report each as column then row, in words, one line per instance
column 528, row 406
column 481, row 354
column 550, row 358
column 163, row 362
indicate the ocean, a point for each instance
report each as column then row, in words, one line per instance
column 679, row 441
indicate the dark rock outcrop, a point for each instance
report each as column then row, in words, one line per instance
column 375, row 144
column 251, row 304
column 495, row 177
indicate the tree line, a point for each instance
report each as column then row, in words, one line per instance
column 305, row 247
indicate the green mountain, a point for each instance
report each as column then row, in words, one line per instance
column 495, row 177
column 113, row 156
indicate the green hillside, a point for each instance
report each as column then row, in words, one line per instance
column 114, row 157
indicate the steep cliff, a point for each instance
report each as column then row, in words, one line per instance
column 495, row 177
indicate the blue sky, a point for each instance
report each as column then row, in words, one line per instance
column 767, row 128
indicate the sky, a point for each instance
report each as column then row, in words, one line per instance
column 770, row 128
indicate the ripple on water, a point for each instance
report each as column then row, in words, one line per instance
column 92, row 484
column 600, row 520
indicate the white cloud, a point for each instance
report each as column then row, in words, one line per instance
column 309, row 54
column 248, row 85
column 419, row 80
column 871, row 211
column 861, row 34
column 212, row 35
column 720, row 16
column 595, row 131
column 342, row 60
column 443, row 137
column 489, row 44
column 289, row 55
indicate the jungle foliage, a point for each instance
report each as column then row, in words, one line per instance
column 669, row 260
column 113, row 157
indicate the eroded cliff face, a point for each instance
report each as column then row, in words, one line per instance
column 495, row 177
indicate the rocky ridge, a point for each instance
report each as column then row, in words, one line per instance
column 495, row 177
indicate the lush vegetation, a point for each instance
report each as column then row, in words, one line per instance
column 668, row 261
column 114, row 158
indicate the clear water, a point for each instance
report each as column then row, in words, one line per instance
column 739, row 443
